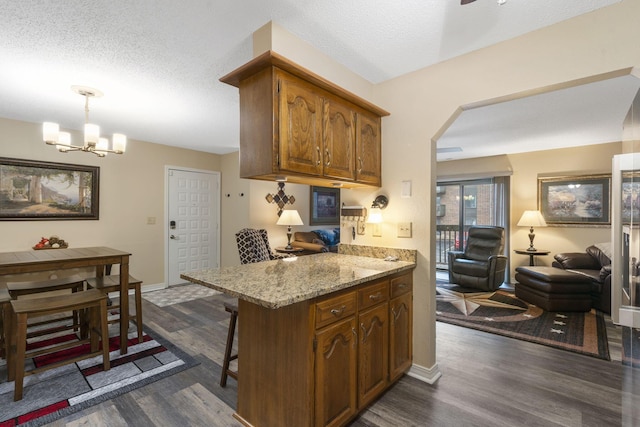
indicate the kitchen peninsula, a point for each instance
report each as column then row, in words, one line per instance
column 320, row 336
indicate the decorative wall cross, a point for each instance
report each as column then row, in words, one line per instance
column 280, row 198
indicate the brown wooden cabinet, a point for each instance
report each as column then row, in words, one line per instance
column 335, row 378
column 401, row 326
column 369, row 149
column 299, row 126
column 321, row 361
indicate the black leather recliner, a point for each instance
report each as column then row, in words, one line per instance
column 482, row 264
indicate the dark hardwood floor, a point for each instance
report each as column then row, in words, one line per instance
column 487, row 380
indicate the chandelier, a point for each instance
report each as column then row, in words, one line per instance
column 93, row 143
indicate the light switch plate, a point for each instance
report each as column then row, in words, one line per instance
column 404, row 229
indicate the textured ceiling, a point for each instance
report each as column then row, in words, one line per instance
column 158, row 61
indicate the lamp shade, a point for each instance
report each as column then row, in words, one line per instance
column 532, row 219
column 290, row 217
column 375, row 216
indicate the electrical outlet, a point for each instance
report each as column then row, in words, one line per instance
column 151, row 220
column 404, row 229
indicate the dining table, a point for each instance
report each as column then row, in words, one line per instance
column 60, row 259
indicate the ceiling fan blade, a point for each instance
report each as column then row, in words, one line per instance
column 463, row 2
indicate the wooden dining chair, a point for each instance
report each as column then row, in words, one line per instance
column 92, row 304
column 107, row 284
column 74, row 283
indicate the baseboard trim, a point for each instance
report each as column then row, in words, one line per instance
column 144, row 288
column 427, row 375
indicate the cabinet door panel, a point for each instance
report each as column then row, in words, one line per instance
column 335, row 382
column 368, row 147
column 300, row 109
column 339, row 138
column 373, row 353
column 401, row 335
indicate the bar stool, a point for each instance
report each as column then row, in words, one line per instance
column 106, row 284
column 74, row 283
column 233, row 309
column 93, row 306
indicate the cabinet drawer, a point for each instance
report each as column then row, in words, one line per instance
column 335, row 308
column 373, row 294
column 401, row 285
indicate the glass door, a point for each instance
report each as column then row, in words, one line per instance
column 462, row 204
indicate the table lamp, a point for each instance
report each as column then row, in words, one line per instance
column 531, row 219
column 289, row 217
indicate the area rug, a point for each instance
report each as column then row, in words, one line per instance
column 178, row 294
column 58, row 392
column 631, row 347
column 501, row 313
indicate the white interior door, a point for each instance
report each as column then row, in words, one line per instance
column 193, row 222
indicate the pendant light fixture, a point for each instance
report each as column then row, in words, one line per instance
column 93, row 143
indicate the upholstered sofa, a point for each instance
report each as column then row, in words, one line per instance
column 595, row 264
column 317, row 241
column 576, row 281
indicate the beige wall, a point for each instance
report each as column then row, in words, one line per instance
column 131, row 190
column 422, row 101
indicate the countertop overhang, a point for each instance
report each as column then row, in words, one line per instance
column 278, row 283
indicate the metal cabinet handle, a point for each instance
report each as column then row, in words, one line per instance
column 355, row 337
column 338, row 311
column 402, row 285
column 318, row 150
column 328, row 155
column 375, row 297
column 361, row 163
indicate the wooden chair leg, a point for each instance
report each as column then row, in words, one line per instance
column 104, row 331
column 9, row 342
column 229, row 348
column 138, row 296
column 18, row 363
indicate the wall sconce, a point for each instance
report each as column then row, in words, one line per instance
column 380, row 202
column 375, row 214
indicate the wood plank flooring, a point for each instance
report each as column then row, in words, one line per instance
column 487, row 380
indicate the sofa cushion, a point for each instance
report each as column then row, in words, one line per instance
column 599, row 255
column 577, row 260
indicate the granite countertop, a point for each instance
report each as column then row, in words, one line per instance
column 275, row 284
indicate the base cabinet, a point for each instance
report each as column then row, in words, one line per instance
column 322, row 361
column 353, row 366
column 335, row 379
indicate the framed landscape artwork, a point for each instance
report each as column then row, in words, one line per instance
column 324, row 206
column 575, row 199
column 33, row 190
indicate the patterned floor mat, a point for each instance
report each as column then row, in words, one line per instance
column 178, row 294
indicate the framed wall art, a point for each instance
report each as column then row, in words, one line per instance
column 34, row 190
column 575, row 199
column 324, row 206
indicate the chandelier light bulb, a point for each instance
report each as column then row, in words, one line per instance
column 50, row 132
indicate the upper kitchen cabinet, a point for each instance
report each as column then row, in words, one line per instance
column 296, row 125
